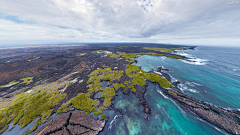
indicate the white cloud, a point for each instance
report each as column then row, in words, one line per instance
column 208, row 22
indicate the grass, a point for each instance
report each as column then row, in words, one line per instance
column 27, row 80
column 139, row 75
column 159, row 49
column 80, row 54
column 181, row 48
column 27, row 107
column 172, row 92
column 103, row 116
column 116, row 86
column 84, row 102
column 133, row 89
column 4, row 129
column 64, row 107
column 163, row 82
column 108, row 92
column 37, row 123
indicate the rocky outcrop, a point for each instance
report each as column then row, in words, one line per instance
column 72, row 123
column 225, row 119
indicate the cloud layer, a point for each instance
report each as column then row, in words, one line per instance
column 198, row 22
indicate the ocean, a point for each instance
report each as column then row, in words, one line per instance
column 213, row 76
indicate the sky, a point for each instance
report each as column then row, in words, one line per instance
column 187, row 22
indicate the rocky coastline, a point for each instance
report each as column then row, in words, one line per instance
column 229, row 120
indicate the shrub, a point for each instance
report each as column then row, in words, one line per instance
column 84, row 102
column 103, row 116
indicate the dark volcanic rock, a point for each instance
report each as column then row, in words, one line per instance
column 147, row 110
column 64, row 131
column 225, row 119
column 86, row 120
column 176, row 83
column 74, row 123
column 55, row 125
column 77, row 129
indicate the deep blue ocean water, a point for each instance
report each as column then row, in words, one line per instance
column 214, row 77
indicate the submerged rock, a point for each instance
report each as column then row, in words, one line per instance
column 75, row 123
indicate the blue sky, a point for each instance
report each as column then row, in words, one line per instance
column 191, row 22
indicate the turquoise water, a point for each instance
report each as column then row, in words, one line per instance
column 213, row 76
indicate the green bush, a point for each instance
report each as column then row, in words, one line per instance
column 138, row 80
column 84, row 102
column 103, row 116
column 28, row 107
column 4, row 129
column 133, row 89
column 37, row 123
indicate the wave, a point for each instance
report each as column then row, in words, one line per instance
column 195, row 61
column 159, row 91
column 184, row 88
column 163, row 58
column 191, row 59
column 220, row 130
column 184, row 114
column 114, row 119
column 193, row 84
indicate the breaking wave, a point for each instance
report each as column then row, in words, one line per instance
column 192, row 59
column 184, row 88
column 114, row 119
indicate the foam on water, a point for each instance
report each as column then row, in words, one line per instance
column 191, row 59
column 184, row 88
column 114, row 119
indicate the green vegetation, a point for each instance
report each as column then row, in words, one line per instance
column 99, row 75
column 103, row 116
column 4, row 129
column 159, row 49
column 163, row 82
column 37, row 123
column 98, row 51
column 99, row 111
column 83, row 102
column 117, row 86
column 138, row 80
column 27, row 107
column 172, row 92
column 181, row 48
column 27, row 80
column 9, row 84
column 139, row 75
column 64, row 107
column 108, row 93
column 133, row 89
column 80, row 54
